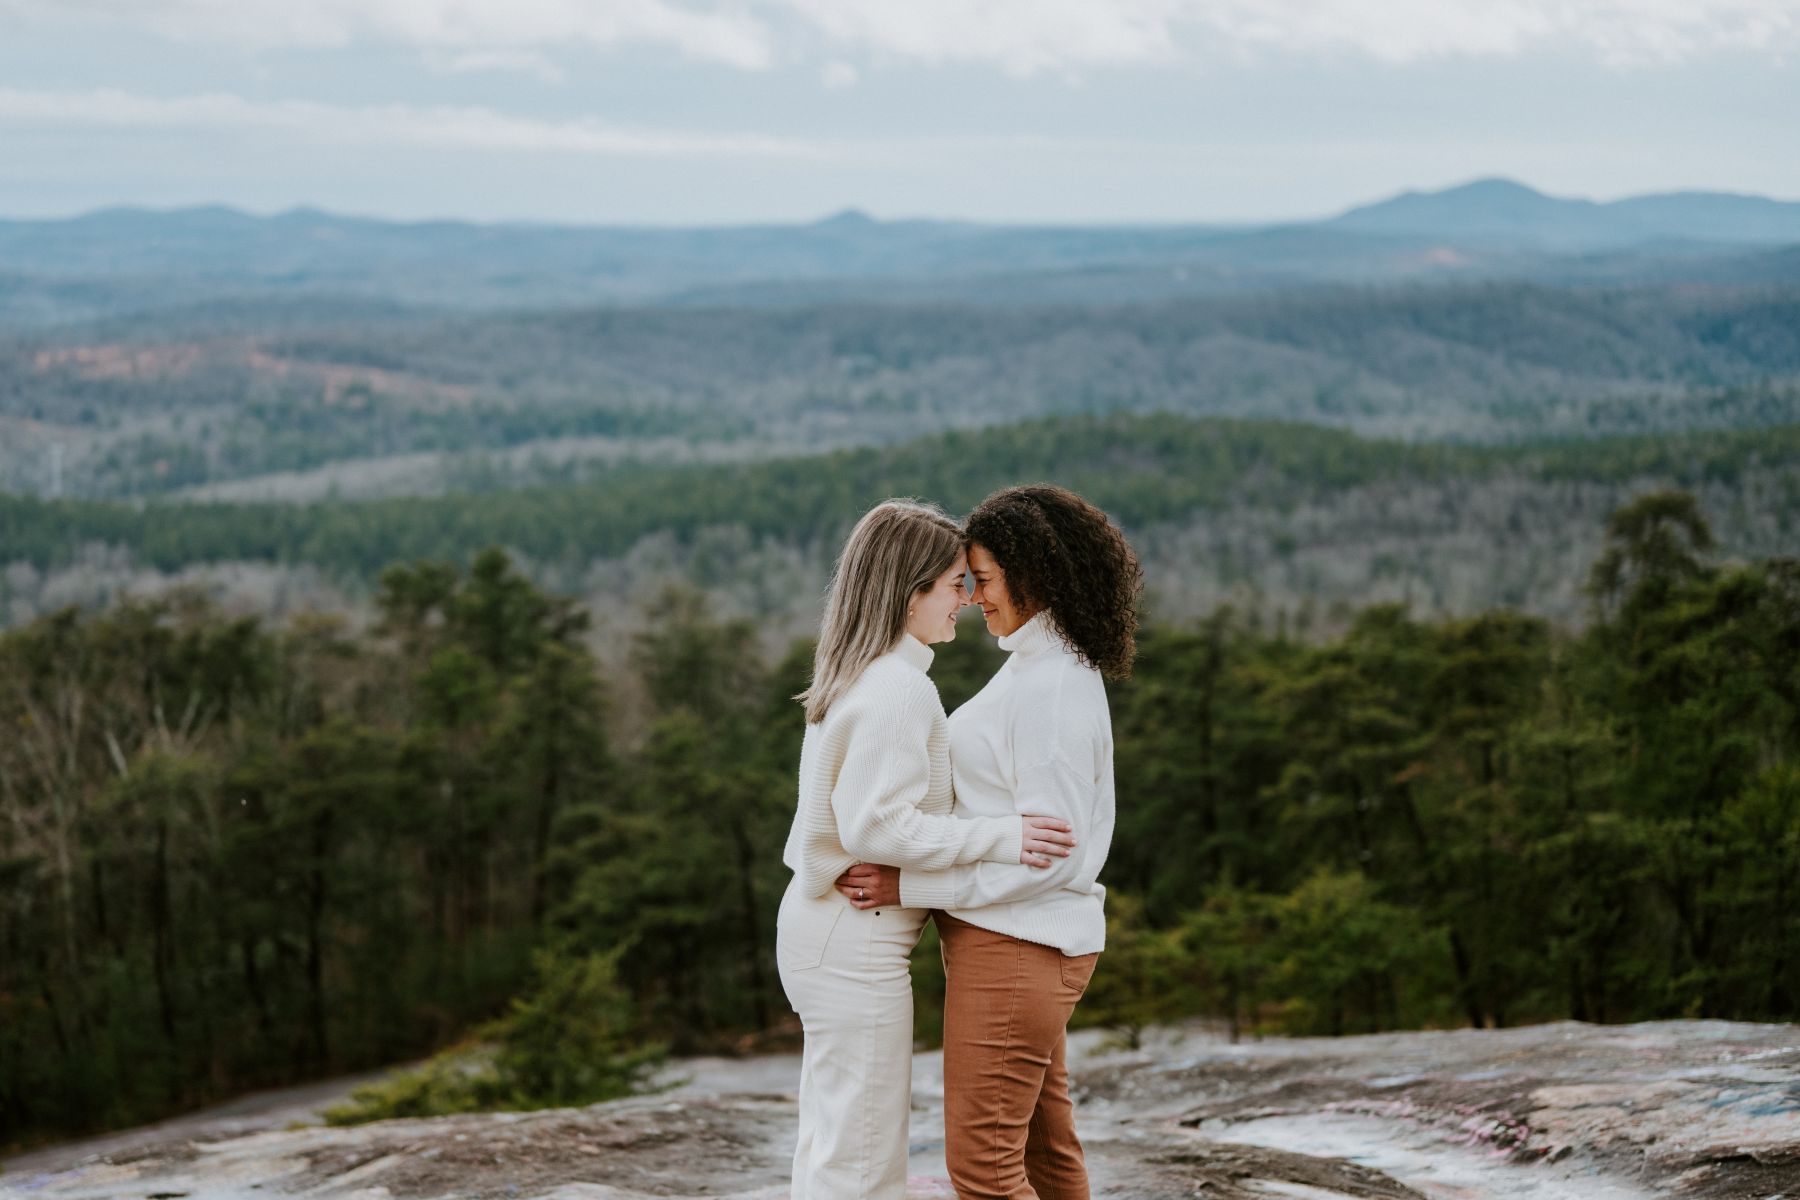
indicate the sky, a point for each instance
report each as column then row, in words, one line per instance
column 675, row 112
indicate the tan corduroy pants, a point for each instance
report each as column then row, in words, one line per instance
column 1009, row 1126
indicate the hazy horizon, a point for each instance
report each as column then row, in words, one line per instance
column 862, row 211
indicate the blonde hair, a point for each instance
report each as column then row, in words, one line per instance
column 897, row 550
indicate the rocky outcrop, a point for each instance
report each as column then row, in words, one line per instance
column 1553, row 1112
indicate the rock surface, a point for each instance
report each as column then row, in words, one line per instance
column 1551, row 1112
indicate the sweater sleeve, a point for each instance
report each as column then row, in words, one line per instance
column 1053, row 789
column 886, row 773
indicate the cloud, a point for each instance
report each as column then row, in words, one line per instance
column 1028, row 36
column 724, row 34
column 1618, row 32
column 838, row 75
column 392, row 124
column 529, row 62
column 1021, row 37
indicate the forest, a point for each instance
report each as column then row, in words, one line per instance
column 1277, row 516
column 236, row 853
column 172, row 401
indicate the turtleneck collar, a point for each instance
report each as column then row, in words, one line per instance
column 914, row 651
column 1034, row 636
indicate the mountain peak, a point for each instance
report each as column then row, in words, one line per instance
column 1491, row 196
column 849, row 218
column 1480, row 210
column 1492, row 187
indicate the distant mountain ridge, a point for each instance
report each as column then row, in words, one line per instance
column 1513, row 214
column 1489, row 208
column 1488, row 229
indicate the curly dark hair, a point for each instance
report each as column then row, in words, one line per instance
column 1061, row 554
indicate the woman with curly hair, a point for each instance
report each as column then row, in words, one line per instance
column 1059, row 586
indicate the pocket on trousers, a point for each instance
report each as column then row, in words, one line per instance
column 1077, row 969
column 803, row 930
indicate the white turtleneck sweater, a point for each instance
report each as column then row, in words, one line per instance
column 1037, row 739
column 875, row 782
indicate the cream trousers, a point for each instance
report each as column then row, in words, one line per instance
column 845, row 972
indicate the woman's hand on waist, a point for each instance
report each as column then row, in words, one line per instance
column 871, row 885
column 1045, row 838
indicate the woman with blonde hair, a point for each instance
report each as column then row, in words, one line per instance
column 875, row 786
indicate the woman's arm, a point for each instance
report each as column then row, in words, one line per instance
column 1055, row 788
column 1061, row 743
column 886, row 772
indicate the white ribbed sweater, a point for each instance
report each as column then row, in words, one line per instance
column 1037, row 739
column 875, row 782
